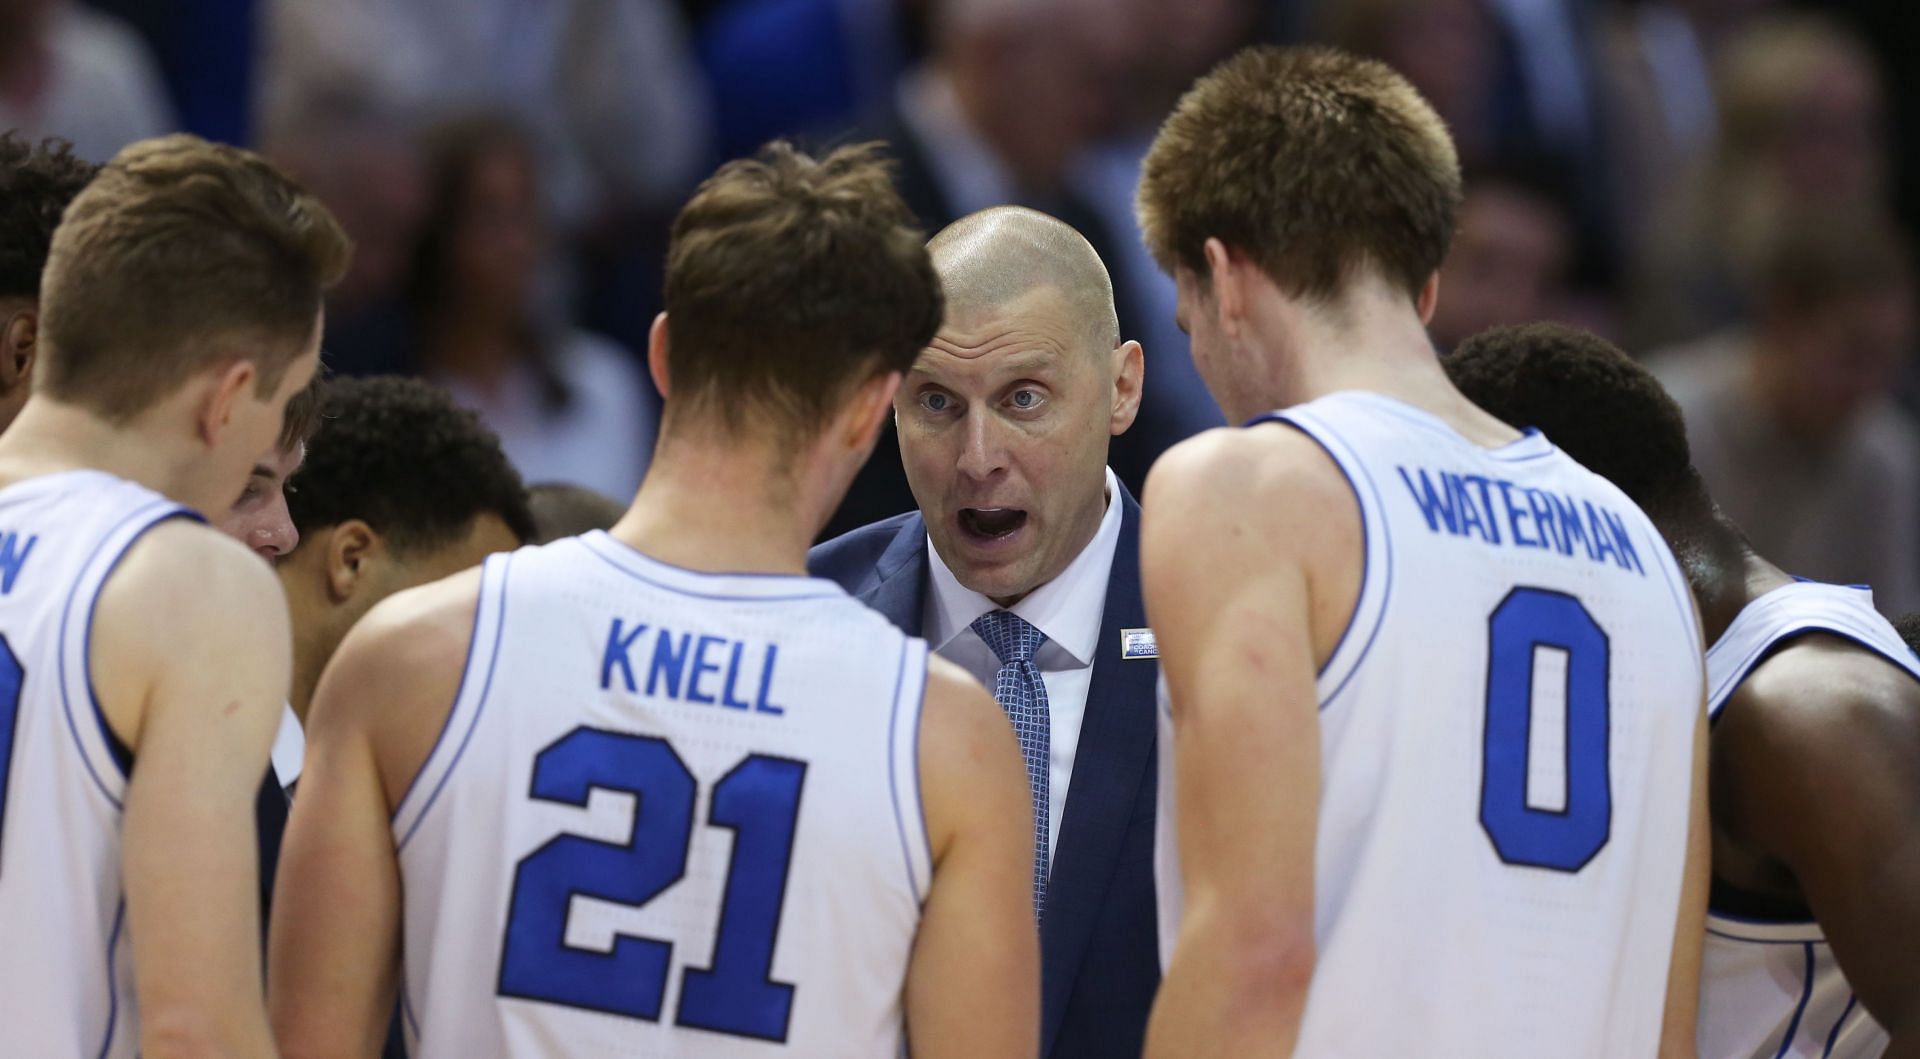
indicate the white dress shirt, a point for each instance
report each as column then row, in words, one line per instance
column 1068, row 609
column 289, row 749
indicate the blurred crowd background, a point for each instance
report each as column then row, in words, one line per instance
column 1728, row 188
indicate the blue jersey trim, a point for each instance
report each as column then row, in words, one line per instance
column 1760, row 941
column 1806, row 994
column 113, row 983
column 593, row 545
column 1833, row 1038
column 893, row 755
column 66, row 614
column 479, row 707
column 1348, row 469
column 466, row 667
column 1776, row 643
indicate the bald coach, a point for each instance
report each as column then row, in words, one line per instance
column 1021, row 565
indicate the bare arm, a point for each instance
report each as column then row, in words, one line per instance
column 1817, row 765
column 334, row 966
column 199, row 705
column 1226, row 575
column 1680, row 1028
column 973, row 987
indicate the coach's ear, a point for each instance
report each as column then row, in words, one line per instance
column 657, row 353
column 1429, row 297
column 351, row 548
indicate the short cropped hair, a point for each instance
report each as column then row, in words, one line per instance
column 180, row 255
column 302, row 414
column 1314, row 163
column 37, row 181
column 399, row 455
column 1594, row 403
column 789, row 281
column 1908, row 626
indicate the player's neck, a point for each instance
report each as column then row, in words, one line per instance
column 52, row 436
column 1726, row 580
column 1375, row 341
column 722, row 512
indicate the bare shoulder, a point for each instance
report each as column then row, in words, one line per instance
column 958, row 715
column 1270, row 487
column 185, row 564
column 395, row 677
column 1825, row 691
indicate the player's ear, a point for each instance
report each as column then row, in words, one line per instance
column 17, row 348
column 1428, row 298
column 657, row 353
column 351, row 548
column 1127, row 383
column 867, row 412
column 1225, row 276
column 231, row 381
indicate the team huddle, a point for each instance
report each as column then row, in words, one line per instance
column 1444, row 650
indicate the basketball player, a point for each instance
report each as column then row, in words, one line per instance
column 180, row 311
column 785, row 823
column 36, row 183
column 1435, row 688
column 1815, row 700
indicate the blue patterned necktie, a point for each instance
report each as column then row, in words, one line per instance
column 1021, row 693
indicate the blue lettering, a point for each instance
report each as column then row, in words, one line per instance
column 765, row 705
column 1543, row 523
column 1570, row 529
column 1602, row 541
column 616, row 655
column 1434, row 507
column 1463, row 501
column 702, row 667
column 1520, row 539
column 669, row 660
column 1624, row 540
column 11, row 560
column 1490, row 529
column 733, row 674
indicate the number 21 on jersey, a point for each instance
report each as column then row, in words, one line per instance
column 758, row 800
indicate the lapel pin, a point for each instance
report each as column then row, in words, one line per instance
column 1138, row 644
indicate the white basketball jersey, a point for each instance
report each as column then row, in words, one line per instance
column 66, row 969
column 1772, row 989
column 671, row 814
column 1506, row 750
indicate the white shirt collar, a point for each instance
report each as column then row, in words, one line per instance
column 1068, row 609
column 968, row 172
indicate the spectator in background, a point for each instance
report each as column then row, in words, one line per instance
column 1166, row 45
column 1448, row 49
column 1792, row 425
column 568, row 405
column 1508, row 263
column 36, row 183
column 71, row 72
column 1801, row 122
column 607, row 89
column 371, row 173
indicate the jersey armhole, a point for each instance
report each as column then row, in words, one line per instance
column 903, row 766
column 476, row 680
column 1376, row 558
column 108, row 761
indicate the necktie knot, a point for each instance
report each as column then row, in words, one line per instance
column 1010, row 637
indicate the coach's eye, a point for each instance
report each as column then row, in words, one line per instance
column 1026, row 399
column 936, row 402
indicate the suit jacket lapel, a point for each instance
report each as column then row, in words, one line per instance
column 1115, row 751
column 898, row 587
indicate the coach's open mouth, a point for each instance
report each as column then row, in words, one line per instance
column 991, row 523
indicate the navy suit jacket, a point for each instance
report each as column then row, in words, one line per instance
column 1099, row 951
